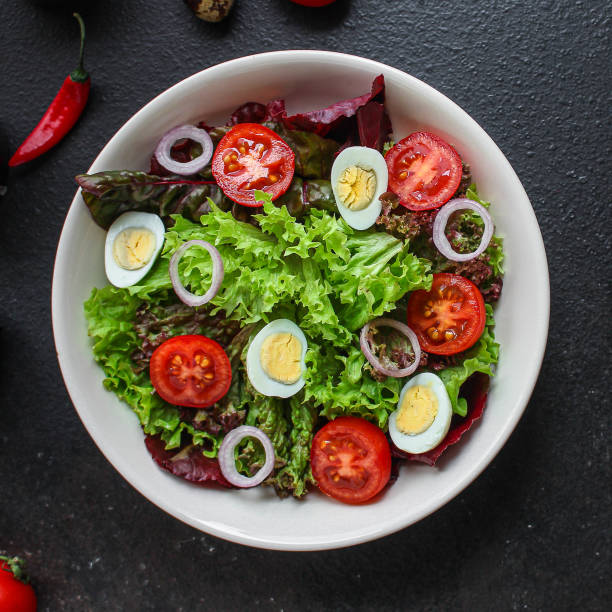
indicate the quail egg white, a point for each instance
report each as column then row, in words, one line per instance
column 423, row 415
column 275, row 359
column 133, row 242
column 359, row 176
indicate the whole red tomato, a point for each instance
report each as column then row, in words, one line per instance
column 313, row 2
column 16, row 595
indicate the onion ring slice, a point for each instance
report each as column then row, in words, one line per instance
column 164, row 148
column 217, row 274
column 227, row 461
column 374, row 362
column 439, row 227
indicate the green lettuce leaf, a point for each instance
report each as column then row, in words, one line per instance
column 110, row 314
column 314, row 155
column 327, row 277
column 482, row 357
column 296, row 476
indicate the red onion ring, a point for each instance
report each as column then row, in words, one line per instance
column 227, row 461
column 439, row 227
column 217, row 274
column 375, row 363
column 163, row 150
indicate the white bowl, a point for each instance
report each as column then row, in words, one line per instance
column 307, row 80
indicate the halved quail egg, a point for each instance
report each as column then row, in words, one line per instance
column 133, row 242
column 359, row 176
column 423, row 415
column 275, row 359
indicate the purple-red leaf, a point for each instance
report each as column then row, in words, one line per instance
column 373, row 125
column 251, row 112
column 362, row 120
column 189, row 464
column 334, row 118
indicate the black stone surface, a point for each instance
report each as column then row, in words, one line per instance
column 533, row 532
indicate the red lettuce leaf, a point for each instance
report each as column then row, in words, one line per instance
column 475, row 391
column 275, row 110
column 192, row 465
column 373, row 125
column 339, row 119
column 254, row 112
column 250, row 112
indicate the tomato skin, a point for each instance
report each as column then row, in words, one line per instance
column 424, row 171
column 356, row 453
column 15, row 596
column 182, row 363
column 456, row 306
column 313, row 2
column 249, row 157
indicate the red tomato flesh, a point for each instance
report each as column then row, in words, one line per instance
column 350, row 459
column 450, row 317
column 191, row 371
column 249, row 157
column 424, row 171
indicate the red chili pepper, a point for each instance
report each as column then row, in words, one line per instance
column 61, row 115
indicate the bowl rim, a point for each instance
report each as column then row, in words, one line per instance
column 392, row 525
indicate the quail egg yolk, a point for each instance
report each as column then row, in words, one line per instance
column 418, row 410
column 356, row 187
column 280, row 357
column 133, row 247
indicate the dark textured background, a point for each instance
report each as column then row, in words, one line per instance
column 530, row 533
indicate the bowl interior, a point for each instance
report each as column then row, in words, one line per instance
column 307, row 80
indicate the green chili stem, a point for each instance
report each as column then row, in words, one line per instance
column 80, row 74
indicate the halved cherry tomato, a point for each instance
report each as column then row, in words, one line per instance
column 424, row 171
column 191, row 371
column 350, row 459
column 249, row 157
column 450, row 317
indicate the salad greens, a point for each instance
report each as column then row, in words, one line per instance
column 294, row 258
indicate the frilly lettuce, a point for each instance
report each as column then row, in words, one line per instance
column 327, row 277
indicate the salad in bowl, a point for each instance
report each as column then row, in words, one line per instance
column 297, row 301
column 317, row 313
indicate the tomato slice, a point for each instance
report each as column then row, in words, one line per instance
column 450, row 317
column 191, row 371
column 424, row 171
column 249, row 157
column 350, row 459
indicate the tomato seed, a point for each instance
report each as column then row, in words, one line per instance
column 433, row 333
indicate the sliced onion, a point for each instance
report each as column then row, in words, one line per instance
column 217, row 274
column 369, row 355
column 439, row 228
column 227, row 461
column 164, row 148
